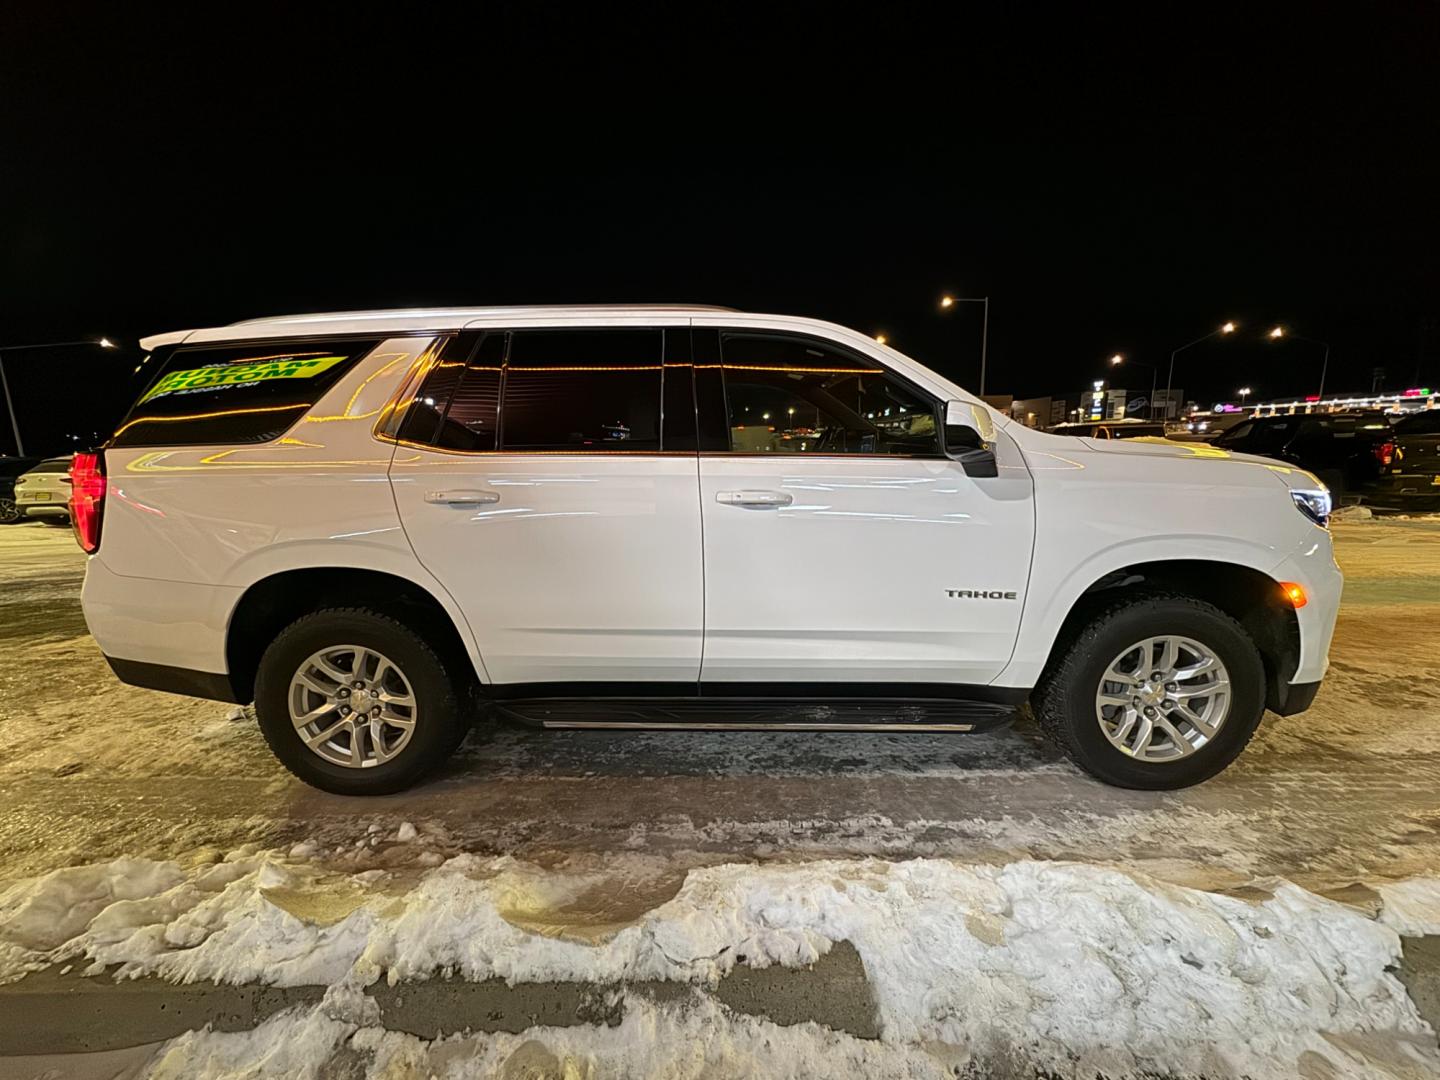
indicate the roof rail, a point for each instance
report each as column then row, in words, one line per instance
column 504, row 309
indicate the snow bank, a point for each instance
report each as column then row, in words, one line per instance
column 1057, row 962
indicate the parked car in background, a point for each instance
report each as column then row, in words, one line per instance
column 44, row 491
column 1414, row 481
column 10, row 470
column 1111, row 429
column 1348, row 451
column 1203, row 427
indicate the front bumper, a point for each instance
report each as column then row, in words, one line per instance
column 1312, row 566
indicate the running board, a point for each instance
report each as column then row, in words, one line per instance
column 640, row 725
column 655, row 714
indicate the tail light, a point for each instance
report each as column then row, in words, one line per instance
column 1385, row 453
column 87, row 498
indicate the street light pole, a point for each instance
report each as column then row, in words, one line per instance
column 10, row 406
column 104, row 343
column 948, row 301
column 1280, row 332
column 1227, row 328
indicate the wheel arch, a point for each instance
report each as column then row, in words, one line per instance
column 273, row 602
column 1250, row 596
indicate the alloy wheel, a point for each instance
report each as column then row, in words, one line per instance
column 1163, row 698
column 352, row 706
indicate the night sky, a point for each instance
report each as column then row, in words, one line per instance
column 1112, row 185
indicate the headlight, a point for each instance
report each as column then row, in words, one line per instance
column 1314, row 504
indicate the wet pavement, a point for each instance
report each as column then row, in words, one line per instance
column 1348, row 792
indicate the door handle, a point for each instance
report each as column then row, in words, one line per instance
column 462, row 498
column 754, row 499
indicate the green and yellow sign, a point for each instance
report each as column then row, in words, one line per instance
column 237, row 374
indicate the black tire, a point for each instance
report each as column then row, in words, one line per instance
column 440, row 717
column 1064, row 702
column 9, row 512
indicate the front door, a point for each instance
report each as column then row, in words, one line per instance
column 534, row 482
column 841, row 546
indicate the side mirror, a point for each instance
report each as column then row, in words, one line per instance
column 966, row 441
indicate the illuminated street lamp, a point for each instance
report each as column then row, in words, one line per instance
column 104, row 343
column 1280, row 332
column 1227, row 327
column 947, row 302
column 882, row 339
column 1243, row 393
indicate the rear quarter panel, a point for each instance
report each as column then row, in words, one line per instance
column 195, row 525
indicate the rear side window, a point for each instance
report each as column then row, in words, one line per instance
column 582, row 390
column 236, row 393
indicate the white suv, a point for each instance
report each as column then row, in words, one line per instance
column 376, row 524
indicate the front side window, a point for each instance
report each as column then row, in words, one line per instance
column 236, row 393
column 582, row 390
column 793, row 395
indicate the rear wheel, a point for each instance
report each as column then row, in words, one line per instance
column 355, row 702
column 1157, row 691
column 9, row 512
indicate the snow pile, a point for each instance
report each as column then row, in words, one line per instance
column 1059, row 963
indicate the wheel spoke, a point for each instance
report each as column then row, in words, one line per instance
column 1105, row 698
column 309, row 681
column 329, row 669
column 306, row 719
column 1182, row 744
column 357, row 744
column 1127, row 724
column 325, row 736
column 1169, row 655
column 1204, row 727
column 1185, row 693
column 1205, row 663
column 1143, row 737
column 1115, row 675
column 358, row 662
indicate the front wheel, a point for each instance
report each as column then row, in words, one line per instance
column 1157, row 691
column 355, row 702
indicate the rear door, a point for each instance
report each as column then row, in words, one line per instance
column 535, row 481
column 841, row 546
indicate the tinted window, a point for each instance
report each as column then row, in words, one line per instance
column 1236, row 435
column 235, row 393
column 582, row 390
column 471, row 420
column 795, row 395
column 422, row 418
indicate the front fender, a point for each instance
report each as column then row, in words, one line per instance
column 1057, row 583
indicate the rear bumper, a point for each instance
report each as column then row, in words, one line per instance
column 167, row 624
column 42, row 509
column 174, row 680
column 1403, row 491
